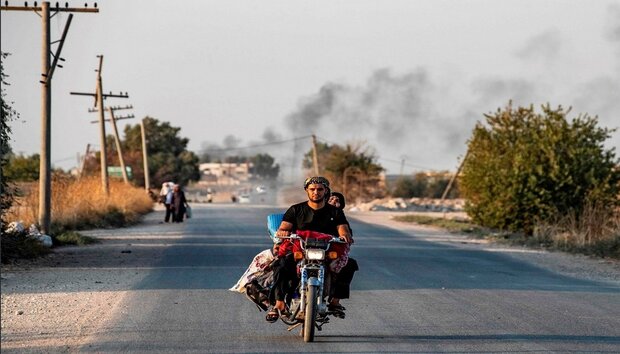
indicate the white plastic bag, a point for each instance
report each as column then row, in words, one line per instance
column 256, row 268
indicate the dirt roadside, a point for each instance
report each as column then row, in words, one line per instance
column 57, row 302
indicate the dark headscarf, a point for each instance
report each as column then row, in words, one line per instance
column 340, row 198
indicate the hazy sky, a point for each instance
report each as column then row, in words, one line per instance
column 408, row 78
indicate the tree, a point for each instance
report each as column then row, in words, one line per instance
column 351, row 169
column 406, row 187
column 236, row 159
column 169, row 159
column 23, row 168
column 7, row 114
column 524, row 167
column 424, row 185
column 263, row 166
column 412, row 187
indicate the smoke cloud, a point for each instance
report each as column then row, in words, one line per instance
column 544, row 47
column 426, row 116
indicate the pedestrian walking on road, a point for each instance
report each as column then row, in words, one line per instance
column 179, row 204
column 165, row 197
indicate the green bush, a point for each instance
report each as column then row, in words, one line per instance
column 525, row 167
column 22, row 168
column 73, row 238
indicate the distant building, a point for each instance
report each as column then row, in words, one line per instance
column 215, row 173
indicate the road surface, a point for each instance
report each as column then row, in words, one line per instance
column 164, row 288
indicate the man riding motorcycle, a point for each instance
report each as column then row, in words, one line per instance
column 315, row 214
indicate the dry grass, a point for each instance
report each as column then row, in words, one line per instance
column 595, row 231
column 79, row 204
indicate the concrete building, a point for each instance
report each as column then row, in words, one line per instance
column 216, row 173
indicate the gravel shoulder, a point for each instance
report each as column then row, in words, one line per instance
column 57, row 302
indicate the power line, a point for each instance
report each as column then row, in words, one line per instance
column 404, row 164
column 64, row 159
column 383, row 159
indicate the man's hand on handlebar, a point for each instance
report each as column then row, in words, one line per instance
column 282, row 233
column 346, row 238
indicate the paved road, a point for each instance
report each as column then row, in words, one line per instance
column 411, row 295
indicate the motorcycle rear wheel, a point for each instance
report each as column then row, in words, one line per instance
column 310, row 315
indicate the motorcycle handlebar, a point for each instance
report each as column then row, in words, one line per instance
column 334, row 239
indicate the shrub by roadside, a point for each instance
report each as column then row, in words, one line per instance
column 74, row 238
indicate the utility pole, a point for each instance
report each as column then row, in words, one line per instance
column 315, row 157
column 118, row 147
column 458, row 171
column 99, row 97
column 117, row 139
column 45, row 181
column 104, row 154
column 83, row 164
column 147, row 182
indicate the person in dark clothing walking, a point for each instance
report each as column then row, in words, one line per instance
column 179, row 204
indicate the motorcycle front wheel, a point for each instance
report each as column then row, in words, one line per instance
column 310, row 315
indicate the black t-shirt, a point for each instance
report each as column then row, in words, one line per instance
column 325, row 220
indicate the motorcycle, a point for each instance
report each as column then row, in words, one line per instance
column 313, row 253
column 307, row 307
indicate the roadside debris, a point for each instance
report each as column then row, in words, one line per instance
column 33, row 232
column 412, row 204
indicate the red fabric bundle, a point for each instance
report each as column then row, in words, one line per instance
column 289, row 246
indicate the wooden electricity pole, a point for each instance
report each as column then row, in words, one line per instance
column 45, row 181
column 103, row 154
column 117, row 138
column 458, row 171
column 83, row 164
column 147, row 181
column 99, row 96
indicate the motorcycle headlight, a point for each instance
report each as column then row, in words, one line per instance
column 315, row 255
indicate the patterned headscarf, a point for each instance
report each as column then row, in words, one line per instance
column 316, row 180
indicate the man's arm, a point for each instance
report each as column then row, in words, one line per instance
column 284, row 229
column 344, row 233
